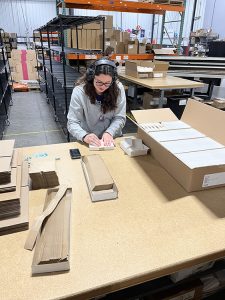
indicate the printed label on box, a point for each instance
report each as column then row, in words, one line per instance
column 142, row 75
column 90, row 57
column 213, row 179
column 158, row 75
column 183, row 102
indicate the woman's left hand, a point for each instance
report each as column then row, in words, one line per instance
column 107, row 139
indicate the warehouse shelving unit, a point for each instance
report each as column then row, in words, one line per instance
column 5, row 88
column 133, row 7
column 57, row 79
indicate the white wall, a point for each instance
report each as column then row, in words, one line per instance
column 23, row 16
column 214, row 16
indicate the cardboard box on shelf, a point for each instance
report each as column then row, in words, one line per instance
column 89, row 41
column 142, row 48
column 68, row 38
column 131, row 48
column 108, row 33
column 74, row 38
column 108, row 21
column 120, row 48
column 93, row 39
column 111, row 43
column 6, row 34
column 79, row 32
column 117, row 35
column 94, row 25
column 125, row 36
column 192, row 150
column 98, row 39
column 84, row 39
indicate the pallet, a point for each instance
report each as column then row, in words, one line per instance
column 19, row 87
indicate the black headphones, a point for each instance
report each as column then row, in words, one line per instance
column 90, row 73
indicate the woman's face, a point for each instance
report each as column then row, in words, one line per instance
column 101, row 83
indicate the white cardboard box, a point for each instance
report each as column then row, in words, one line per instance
column 194, row 169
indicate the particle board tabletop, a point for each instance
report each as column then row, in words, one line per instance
column 154, row 228
column 168, row 82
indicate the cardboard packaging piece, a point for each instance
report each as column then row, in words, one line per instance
column 108, row 21
column 194, row 168
column 157, row 69
column 99, row 176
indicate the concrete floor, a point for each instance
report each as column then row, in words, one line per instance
column 32, row 121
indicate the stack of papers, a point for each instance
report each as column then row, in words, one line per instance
column 102, row 147
column 14, row 204
column 43, row 176
column 6, row 152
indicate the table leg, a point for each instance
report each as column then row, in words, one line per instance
column 135, row 93
column 192, row 93
column 210, row 90
column 162, row 92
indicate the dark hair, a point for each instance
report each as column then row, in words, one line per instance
column 109, row 102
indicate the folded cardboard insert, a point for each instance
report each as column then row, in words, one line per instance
column 99, row 181
column 192, row 149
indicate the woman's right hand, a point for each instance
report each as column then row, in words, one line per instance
column 92, row 139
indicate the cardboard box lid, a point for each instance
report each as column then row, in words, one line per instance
column 206, row 119
column 154, row 115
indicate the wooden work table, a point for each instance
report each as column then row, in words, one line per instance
column 162, row 84
column 153, row 229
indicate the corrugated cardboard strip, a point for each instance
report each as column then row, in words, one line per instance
column 53, row 242
column 34, row 231
column 14, row 213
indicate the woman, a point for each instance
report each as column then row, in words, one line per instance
column 97, row 110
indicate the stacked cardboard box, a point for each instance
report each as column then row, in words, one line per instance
column 43, row 176
column 13, row 40
column 6, row 42
column 23, row 65
column 90, row 36
column 13, row 189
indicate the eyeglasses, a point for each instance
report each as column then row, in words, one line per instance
column 100, row 83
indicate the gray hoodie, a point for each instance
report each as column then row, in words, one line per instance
column 84, row 117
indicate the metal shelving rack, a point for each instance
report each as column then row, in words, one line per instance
column 129, row 6
column 57, row 79
column 5, row 88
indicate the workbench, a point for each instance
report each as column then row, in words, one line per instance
column 162, row 84
column 154, row 228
